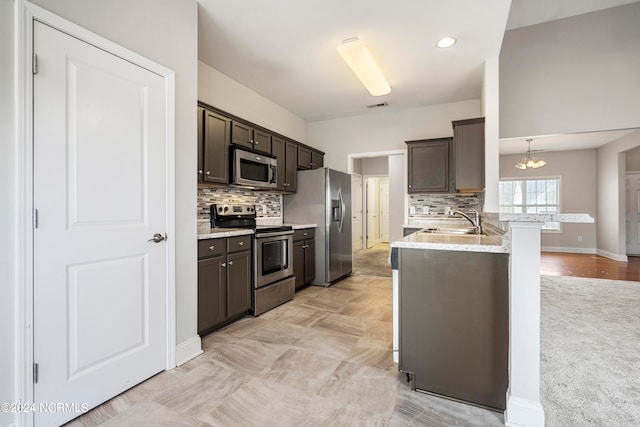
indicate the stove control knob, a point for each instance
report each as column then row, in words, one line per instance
column 220, row 209
column 226, row 208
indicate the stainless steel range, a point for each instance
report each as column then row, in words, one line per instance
column 273, row 281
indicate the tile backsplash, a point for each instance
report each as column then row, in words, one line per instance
column 210, row 195
column 438, row 202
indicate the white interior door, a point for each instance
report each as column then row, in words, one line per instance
column 633, row 213
column 373, row 208
column 384, row 209
column 100, row 192
column 356, row 211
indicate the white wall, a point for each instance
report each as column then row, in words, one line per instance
column 632, row 160
column 577, row 170
column 7, row 206
column 572, row 75
column 610, row 224
column 375, row 166
column 220, row 91
column 491, row 113
column 397, row 195
column 384, row 131
column 164, row 31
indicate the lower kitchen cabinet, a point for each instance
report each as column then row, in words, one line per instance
column 304, row 254
column 224, row 281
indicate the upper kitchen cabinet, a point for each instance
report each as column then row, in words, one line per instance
column 247, row 136
column 317, row 159
column 286, row 153
column 309, row 158
column 304, row 158
column 468, row 154
column 429, row 165
column 214, row 134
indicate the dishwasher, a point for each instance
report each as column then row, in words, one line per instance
column 454, row 324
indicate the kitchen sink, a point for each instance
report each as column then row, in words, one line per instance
column 449, row 230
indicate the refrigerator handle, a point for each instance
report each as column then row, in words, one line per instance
column 341, row 209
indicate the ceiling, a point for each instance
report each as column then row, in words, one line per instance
column 575, row 141
column 285, row 50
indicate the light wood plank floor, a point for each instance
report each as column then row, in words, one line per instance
column 323, row 359
column 585, row 265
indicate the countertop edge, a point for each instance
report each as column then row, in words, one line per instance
column 229, row 232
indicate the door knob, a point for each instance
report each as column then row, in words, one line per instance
column 157, row 238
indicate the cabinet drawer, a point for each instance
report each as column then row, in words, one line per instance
column 210, row 247
column 303, row 234
column 239, row 243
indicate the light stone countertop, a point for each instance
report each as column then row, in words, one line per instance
column 215, row 233
column 446, row 242
column 566, row 217
column 301, row 226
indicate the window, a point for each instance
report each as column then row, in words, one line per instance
column 539, row 195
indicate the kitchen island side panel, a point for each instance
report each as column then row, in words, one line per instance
column 454, row 323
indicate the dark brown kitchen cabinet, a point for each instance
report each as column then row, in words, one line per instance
column 429, row 165
column 286, row 153
column 247, row 136
column 224, row 281
column 309, row 158
column 214, row 136
column 304, row 254
column 304, row 158
column 468, row 154
column 317, row 160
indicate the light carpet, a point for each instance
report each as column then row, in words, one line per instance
column 590, row 352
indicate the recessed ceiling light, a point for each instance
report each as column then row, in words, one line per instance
column 446, row 42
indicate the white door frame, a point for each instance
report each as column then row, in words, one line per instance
column 26, row 13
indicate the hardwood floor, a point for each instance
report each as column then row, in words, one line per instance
column 585, row 265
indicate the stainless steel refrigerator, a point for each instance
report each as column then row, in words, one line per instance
column 323, row 197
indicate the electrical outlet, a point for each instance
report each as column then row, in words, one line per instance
column 264, row 209
column 425, row 210
column 412, row 210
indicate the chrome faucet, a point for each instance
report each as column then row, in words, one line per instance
column 477, row 224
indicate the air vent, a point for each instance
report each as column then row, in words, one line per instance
column 382, row 104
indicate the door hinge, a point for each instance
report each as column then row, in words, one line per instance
column 34, row 64
column 35, row 218
column 35, row 373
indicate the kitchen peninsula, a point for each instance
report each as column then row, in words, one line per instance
column 467, row 311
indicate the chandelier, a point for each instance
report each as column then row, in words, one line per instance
column 529, row 162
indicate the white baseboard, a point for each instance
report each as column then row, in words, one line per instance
column 564, row 249
column 611, row 255
column 523, row 413
column 188, row 349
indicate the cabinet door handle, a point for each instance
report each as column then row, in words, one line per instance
column 224, row 264
column 211, row 248
column 241, row 243
column 199, row 171
column 207, row 173
column 409, row 185
column 257, row 142
column 230, row 262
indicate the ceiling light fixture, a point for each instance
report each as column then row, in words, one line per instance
column 529, row 162
column 357, row 56
column 446, row 42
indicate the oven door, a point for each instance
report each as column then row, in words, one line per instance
column 273, row 257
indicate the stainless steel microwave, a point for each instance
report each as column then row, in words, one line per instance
column 253, row 170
